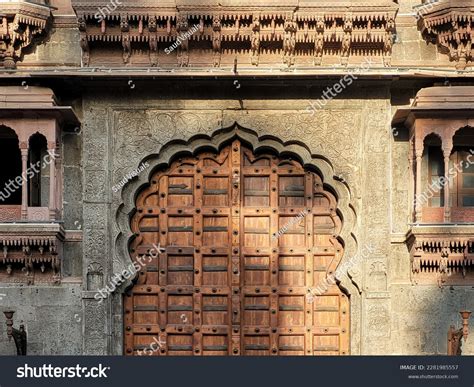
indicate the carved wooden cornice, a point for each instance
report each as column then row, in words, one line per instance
column 442, row 255
column 21, row 22
column 31, row 253
column 450, row 24
column 293, row 30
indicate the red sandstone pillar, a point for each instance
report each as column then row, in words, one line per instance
column 52, row 182
column 447, row 148
column 24, row 184
column 418, row 200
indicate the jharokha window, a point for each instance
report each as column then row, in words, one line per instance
column 462, row 185
column 36, row 177
column 448, row 180
column 31, row 175
column 10, row 162
column 440, row 128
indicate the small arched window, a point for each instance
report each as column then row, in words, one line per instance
column 434, row 155
column 461, row 170
column 38, row 184
column 10, row 167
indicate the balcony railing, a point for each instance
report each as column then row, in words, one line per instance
column 10, row 214
column 431, row 215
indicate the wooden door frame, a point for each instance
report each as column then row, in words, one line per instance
column 350, row 285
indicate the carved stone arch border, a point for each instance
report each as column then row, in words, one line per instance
column 349, row 283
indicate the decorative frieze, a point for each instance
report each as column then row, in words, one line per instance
column 31, row 254
column 21, row 22
column 449, row 24
column 297, row 35
column 442, row 255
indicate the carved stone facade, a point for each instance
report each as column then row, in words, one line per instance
column 138, row 84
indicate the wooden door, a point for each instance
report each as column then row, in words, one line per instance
column 244, row 239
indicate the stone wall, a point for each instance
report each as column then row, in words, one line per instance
column 125, row 122
column 52, row 317
column 352, row 132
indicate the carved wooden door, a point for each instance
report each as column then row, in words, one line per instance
column 244, row 239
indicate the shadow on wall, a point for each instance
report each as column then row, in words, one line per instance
column 52, row 317
column 7, row 348
column 422, row 316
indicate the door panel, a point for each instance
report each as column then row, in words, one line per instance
column 244, row 239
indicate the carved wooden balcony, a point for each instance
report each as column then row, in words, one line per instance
column 441, row 119
column 449, row 24
column 21, row 23
column 442, row 254
column 31, row 253
column 31, row 196
column 440, row 125
column 214, row 34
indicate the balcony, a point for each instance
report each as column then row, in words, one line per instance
column 31, row 253
column 442, row 254
column 440, row 124
column 31, row 233
column 448, row 23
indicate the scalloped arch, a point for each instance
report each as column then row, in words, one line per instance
column 215, row 142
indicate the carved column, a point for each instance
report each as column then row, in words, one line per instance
column 346, row 40
column 22, row 24
column 182, row 28
column 52, row 181
column 418, row 202
column 84, row 43
column 126, row 43
column 152, row 28
column 216, row 40
column 289, row 41
column 319, row 41
column 388, row 42
column 255, row 40
column 447, row 148
column 24, row 186
column 412, row 177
